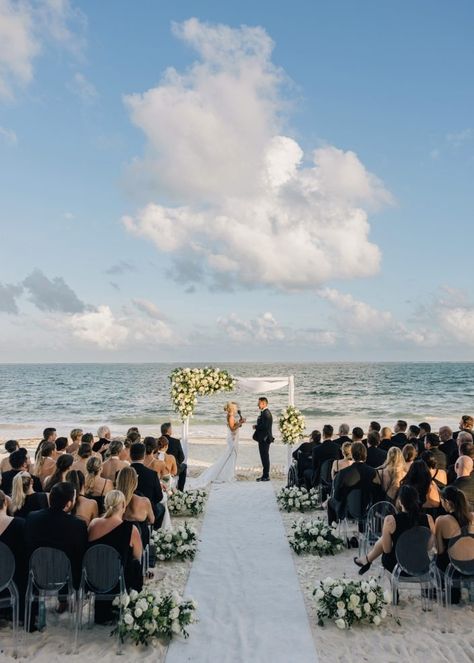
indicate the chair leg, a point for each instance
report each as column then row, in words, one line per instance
column 119, row 640
column 29, row 598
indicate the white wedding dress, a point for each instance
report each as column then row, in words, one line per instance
column 223, row 470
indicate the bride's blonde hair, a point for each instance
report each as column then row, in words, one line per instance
column 231, row 407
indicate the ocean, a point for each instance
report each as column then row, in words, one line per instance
column 66, row 396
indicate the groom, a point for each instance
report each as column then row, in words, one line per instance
column 263, row 435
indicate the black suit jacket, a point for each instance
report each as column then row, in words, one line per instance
column 328, row 450
column 440, row 458
column 341, row 440
column 450, row 449
column 263, row 430
column 356, row 476
column 7, row 482
column 175, row 449
column 306, row 449
column 466, row 484
column 148, row 483
column 398, row 440
column 56, row 529
column 375, row 456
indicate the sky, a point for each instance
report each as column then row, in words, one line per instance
column 236, row 181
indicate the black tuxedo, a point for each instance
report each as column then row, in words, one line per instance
column 264, row 436
column 176, row 450
column 450, row 449
column 398, row 440
column 149, row 486
column 342, row 440
column 440, row 458
column 56, row 529
column 327, row 450
column 466, row 484
column 101, row 445
column 7, row 482
column 375, row 456
column 303, row 456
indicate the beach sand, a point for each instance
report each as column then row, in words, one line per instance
column 419, row 637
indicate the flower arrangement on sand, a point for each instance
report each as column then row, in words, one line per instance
column 297, row 499
column 189, row 383
column 291, row 425
column 189, row 502
column 180, row 543
column 315, row 537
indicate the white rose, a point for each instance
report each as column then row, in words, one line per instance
column 341, row 612
column 138, row 612
column 387, row 596
column 371, row 597
column 133, row 595
column 156, row 611
column 337, row 591
column 174, row 614
column 128, row 619
column 340, row 623
column 319, row 594
column 367, row 608
column 175, row 627
column 354, row 599
column 376, row 620
column 358, row 612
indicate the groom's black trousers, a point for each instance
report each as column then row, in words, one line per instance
column 264, row 449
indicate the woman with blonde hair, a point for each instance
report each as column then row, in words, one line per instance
column 138, row 509
column 84, row 508
column 392, row 472
column 45, row 464
column 95, row 487
column 346, row 460
column 24, row 499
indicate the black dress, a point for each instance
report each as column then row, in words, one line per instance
column 14, row 538
column 403, row 524
column 33, row 502
column 100, row 499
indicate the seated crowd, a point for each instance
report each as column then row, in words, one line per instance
column 427, row 476
column 73, row 496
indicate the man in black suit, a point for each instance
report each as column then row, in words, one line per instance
column 399, row 439
column 102, row 444
column 358, row 476
column 376, row 457
column 465, row 478
column 432, row 444
column 148, row 482
column 19, row 463
column 419, row 444
column 448, row 445
column 176, row 450
column 56, row 527
column 303, row 454
column 343, row 435
column 327, row 450
column 466, row 425
column 264, row 436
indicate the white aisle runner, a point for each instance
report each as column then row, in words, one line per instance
column 251, row 608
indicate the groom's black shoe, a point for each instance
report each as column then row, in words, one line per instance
column 263, row 479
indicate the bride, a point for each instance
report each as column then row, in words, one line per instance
column 223, row 470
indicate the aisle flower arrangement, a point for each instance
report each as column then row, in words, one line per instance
column 180, row 543
column 189, row 383
column 297, row 499
column 149, row 615
column 346, row 601
column 189, row 502
column 291, row 425
column 315, row 537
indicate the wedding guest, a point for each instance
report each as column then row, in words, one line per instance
column 437, row 474
column 328, row 450
column 61, row 444
column 457, row 522
column 103, row 442
column 133, row 434
column 76, row 437
column 410, row 454
column 343, row 435
column 465, row 478
column 413, row 433
column 24, row 499
column 432, row 444
column 112, row 530
column 63, row 465
column 45, row 464
column 55, row 527
column 95, row 486
column 83, row 454
column 12, row 534
column 19, row 461
column 420, row 478
column 166, row 462
column 113, row 464
column 84, row 508
column 303, row 454
column 10, row 447
column 176, row 450
column 448, row 445
column 408, row 516
column 49, row 435
column 391, row 473
column 465, row 425
column 399, row 439
column 138, row 509
column 148, row 482
column 151, row 447
column 375, row 456
column 357, row 434
column 425, row 428
column 340, row 464
column 385, row 438
column 374, row 427
column 358, row 476
column 463, row 443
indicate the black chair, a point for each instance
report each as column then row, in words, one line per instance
column 325, row 479
column 292, row 479
column 7, row 570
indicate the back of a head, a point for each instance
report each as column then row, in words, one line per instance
column 459, row 505
column 464, row 465
column 60, row 495
column 132, row 429
column 162, row 443
column 419, row 476
column 445, row 433
column 18, row 458
column 386, row 433
column 127, row 482
column 429, row 459
column 85, row 450
column 408, row 497
column 21, row 484
column 414, row 430
column 395, row 458
column 373, row 439
column 151, row 444
column 48, row 432
column 357, row 434
column 61, row 443
column 359, row 452
column 113, row 502
column 316, row 436
column 467, row 421
column 47, row 449
column 425, row 428
column 409, row 453
column 64, row 462
column 76, row 478
column 103, row 432
column 328, row 430
column 76, row 434
column 134, row 436
column 137, row 451
column 115, row 447
column 432, row 439
column 347, row 450
column 344, row 430
column 402, row 425
column 466, row 449
column 165, row 428
column 93, row 465
column 464, row 436
column 88, row 438
column 11, row 446
column 375, row 426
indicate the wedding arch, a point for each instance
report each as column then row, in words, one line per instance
column 189, row 383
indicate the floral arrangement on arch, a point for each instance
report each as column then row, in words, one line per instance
column 180, row 543
column 315, row 537
column 148, row 616
column 189, row 383
column 291, row 425
column 297, row 499
column 189, row 502
column 348, row 602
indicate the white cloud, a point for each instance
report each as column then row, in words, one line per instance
column 149, row 308
column 457, row 322
column 83, row 88
column 24, row 28
column 262, row 328
column 8, row 136
column 248, row 207
column 98, row 327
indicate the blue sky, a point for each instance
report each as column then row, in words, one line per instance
column 390, row 83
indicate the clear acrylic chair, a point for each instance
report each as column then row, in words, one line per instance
column 374, row 524
column 7, row 569
column 49, row 575
column 460, row 570
column 102, row 580
column 414, row 566
column 354, row 512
